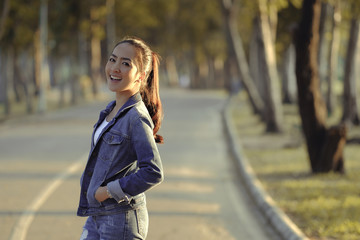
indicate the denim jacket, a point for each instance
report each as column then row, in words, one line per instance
column 125, row 159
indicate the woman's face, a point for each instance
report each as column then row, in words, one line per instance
column 121, row 72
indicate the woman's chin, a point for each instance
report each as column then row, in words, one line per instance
column 112, row 88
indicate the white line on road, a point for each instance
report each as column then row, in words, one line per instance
column 21, row 227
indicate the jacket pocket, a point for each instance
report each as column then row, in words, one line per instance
column 112, row 139
column 110, row 146
column 96, row 180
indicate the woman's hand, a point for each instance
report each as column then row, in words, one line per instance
column 101, row 194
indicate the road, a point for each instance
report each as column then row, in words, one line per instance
column 42, row 157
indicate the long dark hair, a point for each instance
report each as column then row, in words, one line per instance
column 148, row 61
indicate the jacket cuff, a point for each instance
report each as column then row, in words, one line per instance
column 117, row 193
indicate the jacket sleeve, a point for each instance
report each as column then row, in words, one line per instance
column 150, row 171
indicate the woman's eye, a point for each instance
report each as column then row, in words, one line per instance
column 112, row 59
column 126, row 64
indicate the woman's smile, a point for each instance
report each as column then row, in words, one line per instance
column 115, row 78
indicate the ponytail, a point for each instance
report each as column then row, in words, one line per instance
column 148, row 62
column 151, row 97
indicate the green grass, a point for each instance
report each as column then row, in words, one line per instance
column 323, row 206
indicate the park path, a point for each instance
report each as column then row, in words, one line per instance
column 42, row 157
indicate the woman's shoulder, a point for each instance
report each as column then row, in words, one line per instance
column 140, row 112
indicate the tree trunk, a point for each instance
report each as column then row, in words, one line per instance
column 325, row 146
column 43, row 65
column 350, row 114
column 82, row 73
column 333, row 58
column 256, row 58
column 210, row 83
column 219, row 73
column 195, row 77
column 110, row 25
column 4, row 15
column 171, row 70
column 228, row 73
column 95, row 53
column 21, row 69
column 95, row 64
column 4, row 98
column 322, row 60
column 3, row 76
column 234, row 41
column 288, row 75
column 273, row 17
column 15, row 80
column 273, row 114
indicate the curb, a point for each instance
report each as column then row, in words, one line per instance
column 278, row 220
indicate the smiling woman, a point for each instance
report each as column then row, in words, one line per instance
column 124, row 161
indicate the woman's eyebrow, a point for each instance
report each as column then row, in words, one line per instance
column 123, row 58
column 127, row 59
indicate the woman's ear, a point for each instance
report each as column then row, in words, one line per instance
column 141, row 77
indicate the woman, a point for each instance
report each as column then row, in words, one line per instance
column 124, row 160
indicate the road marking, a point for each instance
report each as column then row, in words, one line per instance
column 27, row 217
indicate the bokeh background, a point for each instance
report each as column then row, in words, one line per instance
column 52, row 56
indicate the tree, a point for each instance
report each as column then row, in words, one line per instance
column 17, row 44
column 110, row 25
column 42, row 56
column 350, row 114
column 322, row 41
column 325, row 145
column 333, row 56
column 288, row 75
column 289, row 16
column 3, row 79
column 273, row 110
column 234, row 41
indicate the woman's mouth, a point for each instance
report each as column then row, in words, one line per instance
column 114, row 78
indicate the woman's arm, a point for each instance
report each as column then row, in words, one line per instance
column 149, row 171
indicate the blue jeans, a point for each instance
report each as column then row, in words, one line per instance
column 128, row 225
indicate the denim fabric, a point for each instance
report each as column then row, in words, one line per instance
column 132, row 224
column 125, row 158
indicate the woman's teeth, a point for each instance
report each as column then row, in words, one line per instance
column 115, row 78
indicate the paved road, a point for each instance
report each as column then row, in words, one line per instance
column 41, row 159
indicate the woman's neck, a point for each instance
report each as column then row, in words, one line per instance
column 121, row 98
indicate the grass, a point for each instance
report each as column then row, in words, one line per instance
column 323, row 206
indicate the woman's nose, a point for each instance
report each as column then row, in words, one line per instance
column 115, row 67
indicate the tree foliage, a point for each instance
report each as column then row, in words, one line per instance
column 188, row 34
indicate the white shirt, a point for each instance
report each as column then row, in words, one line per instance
column 99, row 130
